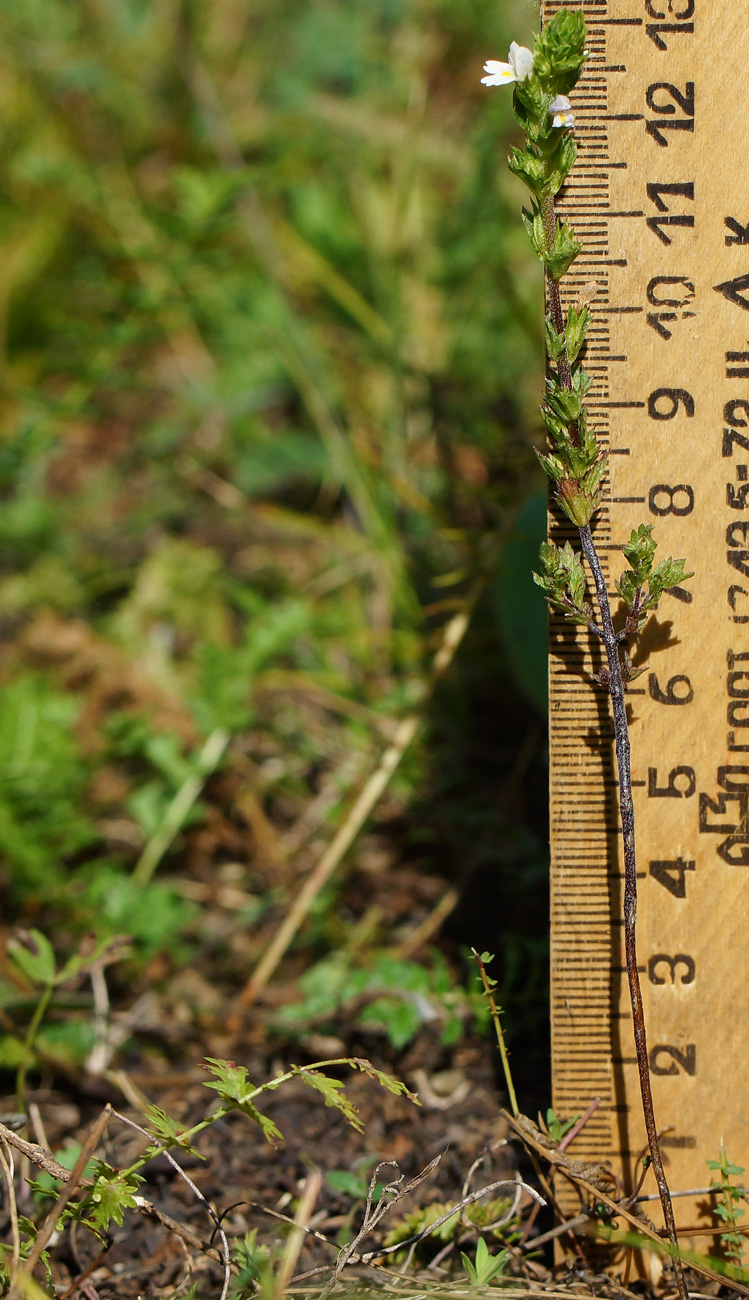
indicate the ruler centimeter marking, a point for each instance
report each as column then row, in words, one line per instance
column 659, row 198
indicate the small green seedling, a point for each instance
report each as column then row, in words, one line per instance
column 558, row 1127
column 485, row 1268
column 732, row 1238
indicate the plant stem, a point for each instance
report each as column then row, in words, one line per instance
column 186, row 1135
column 548, row 213
column 494, row 1009
column 626, row 806
column 29, row 1044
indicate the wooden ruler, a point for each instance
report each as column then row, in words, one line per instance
column 660, row 198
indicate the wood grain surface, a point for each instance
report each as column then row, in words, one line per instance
column 660, row 198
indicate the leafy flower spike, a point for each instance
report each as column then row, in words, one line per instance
column 560, row 107
column 519, row 67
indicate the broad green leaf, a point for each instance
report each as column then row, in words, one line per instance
column 110, row 1196
column 230, row 1080
column 13, row 1052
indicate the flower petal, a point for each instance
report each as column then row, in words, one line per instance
column 560, row 105
column 521, row 60
column 500, row 74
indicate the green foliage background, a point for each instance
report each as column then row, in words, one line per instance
column 270, row 356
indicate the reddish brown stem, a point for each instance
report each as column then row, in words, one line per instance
column 615, row 686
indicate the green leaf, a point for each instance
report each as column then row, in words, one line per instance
column 581, row 382
column 270, row 1131
column 234, row 1088
column 13, row 1052
column 563, row 580
column 558, row 1127
column 530, row 106
column 534, row 225
column 351, row 1184
column 43, row 781
column 628, row 587
column 553, row 466
column 166, row 1130
column 559, row 258
column 578, row 504
column 397, row 1017
column 669, row 573
column 68, row 1042
column 231, row 1081
column 591, row 481
column 111, row 1195
column 555, row 343
column 485, row 1267
column 46, row 1185
column 385, row 1080
column 576, row 329
column 153, row 914
column 565, row 402
column 332, row 1091
column 530, row 168
column 640, row 551
column 29, row 1230
column 33, row 953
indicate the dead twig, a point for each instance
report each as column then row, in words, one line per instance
column 570, row 1225
column 215, row 1220
column 372, row 1215
column 468, row 1200
column 72, row 1185
column 430, row 926
column 525, row 1242
column 42, row 1158
column 87, row 1271
column 6, row 1160
column 531, row 1136
column 694, row 1191
column 505, row 1218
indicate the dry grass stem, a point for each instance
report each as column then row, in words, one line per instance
column 582, row 1177
column 6, row 1160
column 342, row 841
column 295, row 1241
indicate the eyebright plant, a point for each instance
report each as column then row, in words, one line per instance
column 575, row 464
column 728, row 1208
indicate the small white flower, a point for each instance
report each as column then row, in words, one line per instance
column 519, row 66
column 560, row 107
